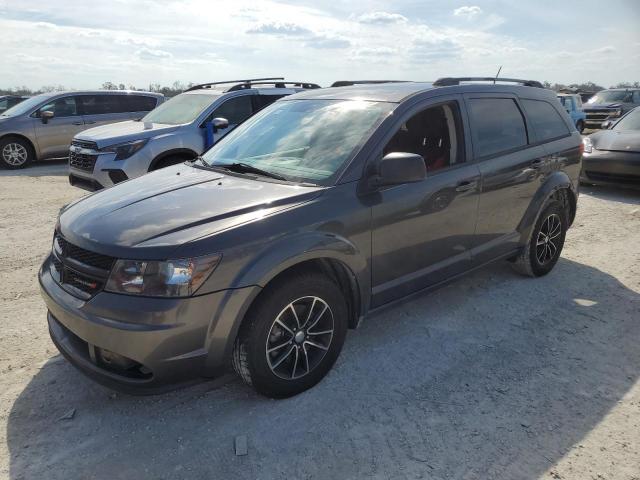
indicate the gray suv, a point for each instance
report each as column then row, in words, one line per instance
column 319, row 209
column 42, row 126
column 180, row 129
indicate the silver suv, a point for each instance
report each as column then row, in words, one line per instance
column 180, row 129
column 42, row 126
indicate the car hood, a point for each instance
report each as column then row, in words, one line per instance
column 150, row 216
column 597, row 106
column 121, row 132
column 622, row 141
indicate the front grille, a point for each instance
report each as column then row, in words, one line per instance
column 81, row 255
column 78, row 269
column 598, row 115
column 84, row 144
column 624, row 178
column 82, row 161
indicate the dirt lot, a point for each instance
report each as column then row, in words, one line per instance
column 495, row 376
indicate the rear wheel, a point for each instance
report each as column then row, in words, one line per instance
column 543, row 249
column 292, row 335
column 15, row 153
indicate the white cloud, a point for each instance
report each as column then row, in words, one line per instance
column 151, row 54
column 327, row 41
column 468, row 12
column 281, row 29
column 382, row 18
column 606, row 49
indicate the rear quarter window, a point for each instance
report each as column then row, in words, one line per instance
column 546, row 121
column 139, row 103
column 497, row 125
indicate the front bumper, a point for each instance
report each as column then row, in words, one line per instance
column 611, row 168
column 103, row 171
column 144, row 345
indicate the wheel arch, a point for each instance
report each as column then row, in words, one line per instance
column 174, row 152
column 31, row 144
column 557, row 186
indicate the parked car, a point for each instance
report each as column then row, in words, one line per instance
column 42, row 126
column 610, row 104
column 8, row 101
column 321, row 208
column 181, row 129
column 573, row 105
column 612, row 156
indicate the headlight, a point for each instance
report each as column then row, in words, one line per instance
column 125, row 150
column 616, row 113
column 588, row 146
column 171, row 278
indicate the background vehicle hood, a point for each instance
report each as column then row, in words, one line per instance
column 169, row 207
column 622, row 141
column 121, row 132
column 596, row 106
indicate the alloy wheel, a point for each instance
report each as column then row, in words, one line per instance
column 14, row 154
column 548, row 240
column 299, row 337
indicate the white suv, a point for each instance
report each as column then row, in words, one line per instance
column 178, row 130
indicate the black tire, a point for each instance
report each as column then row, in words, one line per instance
column 539, row 256
column 167, row 162
column 269, row 373
column 580, row 126
column 15, row 153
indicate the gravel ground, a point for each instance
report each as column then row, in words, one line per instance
column 494, row 376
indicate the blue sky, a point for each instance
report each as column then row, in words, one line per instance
column 81, row 44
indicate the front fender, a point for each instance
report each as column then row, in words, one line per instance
column 555, row 181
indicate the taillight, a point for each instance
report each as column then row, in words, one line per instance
column 581, row 148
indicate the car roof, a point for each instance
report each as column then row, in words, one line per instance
column 398, row 92
column 96, row 92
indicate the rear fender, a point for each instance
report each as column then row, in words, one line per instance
column 553, row 184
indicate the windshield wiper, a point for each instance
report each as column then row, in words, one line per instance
column 241, row 167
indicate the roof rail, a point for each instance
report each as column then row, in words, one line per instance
column 248, row 80
column 348, row 83
column 449, row 81
column 276, row 84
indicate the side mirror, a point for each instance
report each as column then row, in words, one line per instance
column 607, row 124
column 46, row 115
column 397, row 168
column 219, row 123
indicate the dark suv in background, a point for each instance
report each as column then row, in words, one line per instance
column 610, row 105
column 317, row 210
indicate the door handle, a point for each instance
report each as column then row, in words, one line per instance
column 466, row 185
column 78, row 123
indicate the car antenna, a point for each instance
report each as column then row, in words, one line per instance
column 497, row 75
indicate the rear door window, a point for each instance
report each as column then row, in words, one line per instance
column 546, row 121
column 138, row 103
column 261, row 101
column 101, row 104
column 497, row 125
column 235, row 110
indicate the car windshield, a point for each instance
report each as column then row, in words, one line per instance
column 26, row 106
column 181, row 109
column 630, row 121
column 301, row 140
column 610, row 96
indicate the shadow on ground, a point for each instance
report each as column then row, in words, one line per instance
column 46, row 168
column 495, row 376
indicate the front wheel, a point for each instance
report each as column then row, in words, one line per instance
column 15, row 153
column 292, row 335
column 580, row 126
column 544, row 246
